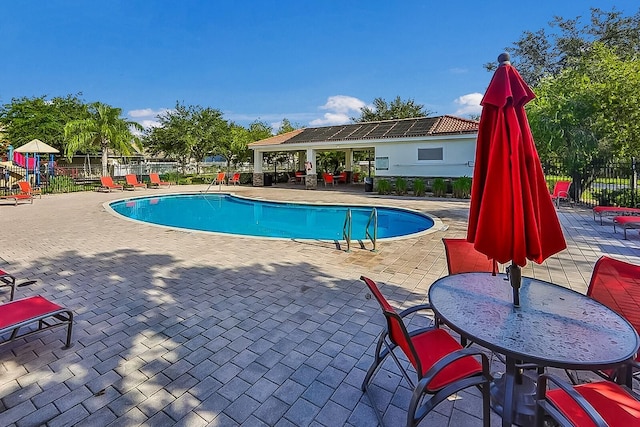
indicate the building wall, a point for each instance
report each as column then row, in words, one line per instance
column 401, row 159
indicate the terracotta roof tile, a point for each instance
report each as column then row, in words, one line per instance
column 278, row 139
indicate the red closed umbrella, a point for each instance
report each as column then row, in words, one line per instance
column 512, row 217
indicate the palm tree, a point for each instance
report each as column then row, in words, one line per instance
column 103, row 129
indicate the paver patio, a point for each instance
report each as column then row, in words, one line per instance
column 188, row 328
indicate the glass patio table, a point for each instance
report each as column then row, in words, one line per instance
column 553, row 327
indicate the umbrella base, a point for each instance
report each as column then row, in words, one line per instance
column 524, row 399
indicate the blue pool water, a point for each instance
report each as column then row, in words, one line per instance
column 234, row 215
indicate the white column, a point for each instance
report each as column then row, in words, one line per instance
column 348, row 159
column 257, row 161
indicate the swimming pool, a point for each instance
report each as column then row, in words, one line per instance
column 224, row 213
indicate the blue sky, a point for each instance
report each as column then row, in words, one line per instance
column 313, row 62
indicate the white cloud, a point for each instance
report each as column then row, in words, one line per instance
column 341, row 109
column 469, row 104
column 147, row 112
column 150, row 123
column 343, row 104
column 329, row 119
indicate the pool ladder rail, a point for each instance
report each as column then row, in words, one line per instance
column 348, row 225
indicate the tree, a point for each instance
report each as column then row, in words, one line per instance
column 260, row 130
column 233, row 147
column 187, row 132
column 103, row 129
column 208, row 133
column 25, row 119
column 171, row 137
column 542, row 53
column 287, row 126
column 588, row 112
column 397, row 109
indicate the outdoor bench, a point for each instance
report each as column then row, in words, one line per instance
column 626, row 222
column 29, row 312
column 613, row 210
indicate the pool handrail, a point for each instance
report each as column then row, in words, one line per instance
column 346, row 229
column 374, row 237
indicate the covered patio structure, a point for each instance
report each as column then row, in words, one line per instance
column 423, row 146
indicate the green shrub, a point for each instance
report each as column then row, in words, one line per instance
column 462, row 187
column 383, row 186
column 439, row 187
column 419, row 187
column 401, row 186
column 62, row 184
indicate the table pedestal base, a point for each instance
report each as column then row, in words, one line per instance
column 524, row 398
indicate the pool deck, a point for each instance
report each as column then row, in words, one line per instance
column 196, row 329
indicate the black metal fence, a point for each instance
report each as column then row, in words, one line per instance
column 68, row 179
column 604, row 183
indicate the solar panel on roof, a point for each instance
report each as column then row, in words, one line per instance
column 421, row 127
column 399, row 129
column 363, row 131
column 380, row 130
column 344, row 132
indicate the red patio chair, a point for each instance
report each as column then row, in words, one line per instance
column 220, row 178
column 328, row 179
column 342, row 178
column 442, row 366
column 235, row 179
column 132, row 181
column 560, row 191
column 616, row 284
column 106, row 183
column 463, row 258
column 26, row 189
column 154, row 180
column 32, row 315
column 603, row 403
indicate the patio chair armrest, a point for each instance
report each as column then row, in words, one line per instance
column 452, row 357
column 572, row 393
column 413, row 309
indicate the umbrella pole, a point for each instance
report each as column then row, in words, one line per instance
column 515, row 277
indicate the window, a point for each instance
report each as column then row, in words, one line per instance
column 430, row 154
column 382, row 163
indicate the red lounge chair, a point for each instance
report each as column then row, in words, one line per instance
column 17, row 197
column 220, row 178
column 560, row 191
column 442, row 366
column 235, row 179
column 356, row 177
column 25, row 188
column 626, row 222
column 328, row 179
column 601, row 403
column 37, row 311
column 463, row 258
column 132, row 181
column 154, row 180
column 613, row 210
column 107, row 184
column 299, row 176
